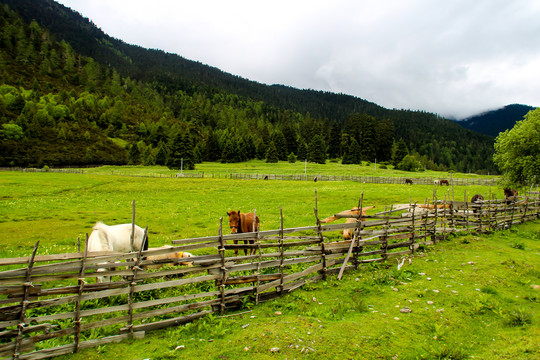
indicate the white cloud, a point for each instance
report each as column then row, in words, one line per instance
column 455, row 57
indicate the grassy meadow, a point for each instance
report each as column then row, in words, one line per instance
column 57, row 208
column 469, row 296
column 284, row 168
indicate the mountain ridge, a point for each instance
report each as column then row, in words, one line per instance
column 434, row 139
column 493, row 122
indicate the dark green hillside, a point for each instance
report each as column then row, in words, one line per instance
column 496, row 121
column 125, row 104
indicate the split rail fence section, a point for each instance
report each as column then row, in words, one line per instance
column 52, row 305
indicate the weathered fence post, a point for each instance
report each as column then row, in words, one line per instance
column 258, row 274
column 353, row 240
column 223, row 270
column 525, row 210
column 24, row 302
column 132, row 226
column 82, row 282
column 321, row 239
column 281, row 252
column 134, row 270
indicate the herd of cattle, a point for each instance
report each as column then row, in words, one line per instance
column 119, row 238
column 440, row 182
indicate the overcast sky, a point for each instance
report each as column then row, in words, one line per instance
column 452, row 57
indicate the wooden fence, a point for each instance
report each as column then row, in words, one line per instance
column 52, row 305
column 291, row 177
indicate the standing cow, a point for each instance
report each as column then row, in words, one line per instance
column 243, row 223
column 510, row 195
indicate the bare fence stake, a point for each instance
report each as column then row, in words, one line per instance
column 353, row 241
column 132, row 227
column 321, row 238
column 134, row 270
column 281, row 252
column 79, row 296
column 24, row 302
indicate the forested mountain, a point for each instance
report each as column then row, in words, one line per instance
column 72, row 95
column 496, row 121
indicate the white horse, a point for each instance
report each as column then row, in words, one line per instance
column 115, row 238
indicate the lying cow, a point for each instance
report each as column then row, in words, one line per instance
column 423, row 209
column 348, row 233
column 168, row 258
column 115, row 238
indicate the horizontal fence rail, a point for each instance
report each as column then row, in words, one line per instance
column 289, row 177
column 52, row 304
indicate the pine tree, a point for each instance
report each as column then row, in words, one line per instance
column 352, row 155
column 161, row 156
column 272, row 153
column 334, row 148
column 317, row 150
column 302, row 151
column 181, row 152
column 229, row 151
column 281, row 145
column 212, row 151
column 399, row 151
column 366, row 139
column 134, row 156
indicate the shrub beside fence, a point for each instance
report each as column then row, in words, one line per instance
column 52, row 305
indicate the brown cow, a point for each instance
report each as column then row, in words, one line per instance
column 408, row 181
column 348, row 233
column 477, row 199
column 243, row 223
column 510, row 195
column 444, row 182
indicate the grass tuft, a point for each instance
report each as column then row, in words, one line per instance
column 519, row 318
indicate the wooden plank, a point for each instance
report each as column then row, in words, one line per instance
column 248, row 279
column 291, row 277
column 6, row 350
column 68, row 349
column 170, row 322
column 52, row 257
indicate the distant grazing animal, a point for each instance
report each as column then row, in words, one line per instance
column 315, row 179
column 168, row 258
column 348, row 233
column 115, row 238
column 408, row 181
column 436, row 182
column 444, row 182
column 510, row 195
column 477, row 199
column 243, row 223
column 266, row 177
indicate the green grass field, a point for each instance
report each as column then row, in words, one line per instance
column 56, row 208
column 470, row 296
column 285, row 168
